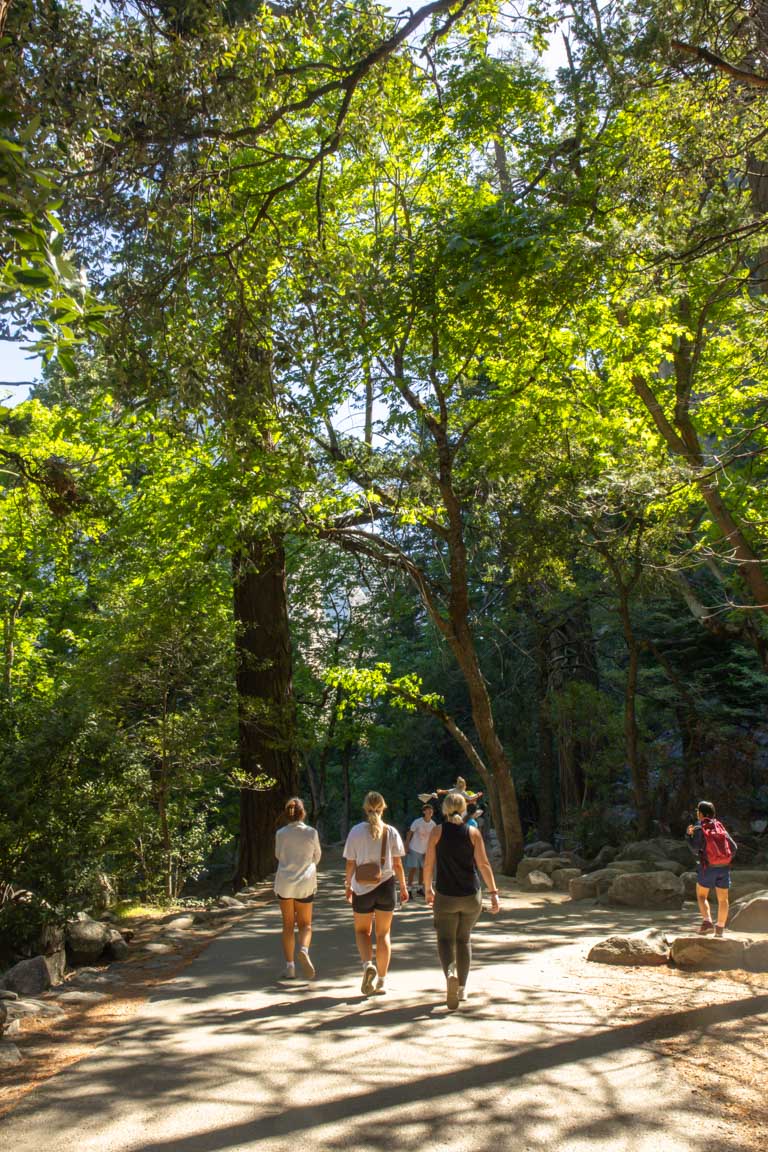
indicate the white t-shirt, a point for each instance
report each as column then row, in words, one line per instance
column 422, row 830
column 297, row 848
column 363, row 849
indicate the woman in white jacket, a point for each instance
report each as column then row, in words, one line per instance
column 297, row 848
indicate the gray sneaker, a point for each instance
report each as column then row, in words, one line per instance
column 452, row 989
column 369, row 979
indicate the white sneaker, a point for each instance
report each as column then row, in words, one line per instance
column 452, row 988
column 381, row 988
column 307, row 966
column 369, row 979
column 290, row 972
column 462, row 994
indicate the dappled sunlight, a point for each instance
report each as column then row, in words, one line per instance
column 227, row 1057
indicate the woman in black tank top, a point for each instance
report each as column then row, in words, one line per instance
column 455, row 856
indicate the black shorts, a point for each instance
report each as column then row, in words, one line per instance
column 379, row 899
column 298, row 899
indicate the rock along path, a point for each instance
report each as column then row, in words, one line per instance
column 550, row 1053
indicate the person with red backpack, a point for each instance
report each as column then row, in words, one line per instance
column 715, row 847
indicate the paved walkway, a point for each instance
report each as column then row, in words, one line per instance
column 225, row 1058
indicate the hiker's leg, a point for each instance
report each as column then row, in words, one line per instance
column 722, row 906
column 467, row 919
column 446, row 928
column 383, row 941
column 287, row 911
column 702, row 896
column 304, row 924
column 363, row 926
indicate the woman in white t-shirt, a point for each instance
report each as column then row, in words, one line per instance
column 374, row 847
column 297, row 848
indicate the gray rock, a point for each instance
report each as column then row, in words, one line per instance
column 539, row 882
column 86, row 940
column 606, row 855
column 3, row 1017
column 646, row 890
column 756, row 956
column 747, row 882
column 13, row 1028
column 592, row 885
column 751, row 917
column 158, row 949
column 659, row 848
column 180, row 924
column 82, row 997
column 707, row 952
column 9, row 1055
column 29, row 977
column 671, row 866
column 562, row 878
column 229, row 902
column 18, row 1009
column 537, row 847
column 629, row 950
column 6, row 994
column 546, row 864
column 117, row 948
column 689, row 885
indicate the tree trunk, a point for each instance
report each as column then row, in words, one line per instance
column 346, row 804
column 266, row 728
column 546, row 775
column 637, row 766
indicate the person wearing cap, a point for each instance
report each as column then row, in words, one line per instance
column 416, row 843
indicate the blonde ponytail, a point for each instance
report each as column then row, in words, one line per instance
column 373, row 806
column 454, row 807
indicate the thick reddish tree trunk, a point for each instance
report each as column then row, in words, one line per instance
column 268, row 760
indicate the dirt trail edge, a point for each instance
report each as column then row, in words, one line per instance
column 550, row 1052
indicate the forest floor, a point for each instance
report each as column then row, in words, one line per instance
column 214, row 1053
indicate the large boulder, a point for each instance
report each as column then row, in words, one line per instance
column 117, row 947
column 538, row 847
column 539, row 882
column 646, row 890
column 689, row 885
column 744, row 883
column 751, row 917
column 707, row 952
column 629, row 950
column 660, row 848
column 547, row 865
column 32, row 977
column 635, row 866
column 605, row 856
column 562, row 878
column 592, row 885
column 756, row 956
column 86, row 939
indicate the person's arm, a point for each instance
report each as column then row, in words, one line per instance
column 429, row 864
column 695, row 838
column 397, row 866
column 317, row 854
column 483, row 865
column 408, row 838
column 348, row 874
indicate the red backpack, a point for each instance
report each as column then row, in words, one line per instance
column 717, row 848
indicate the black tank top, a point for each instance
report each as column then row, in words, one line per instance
column 456, row 874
